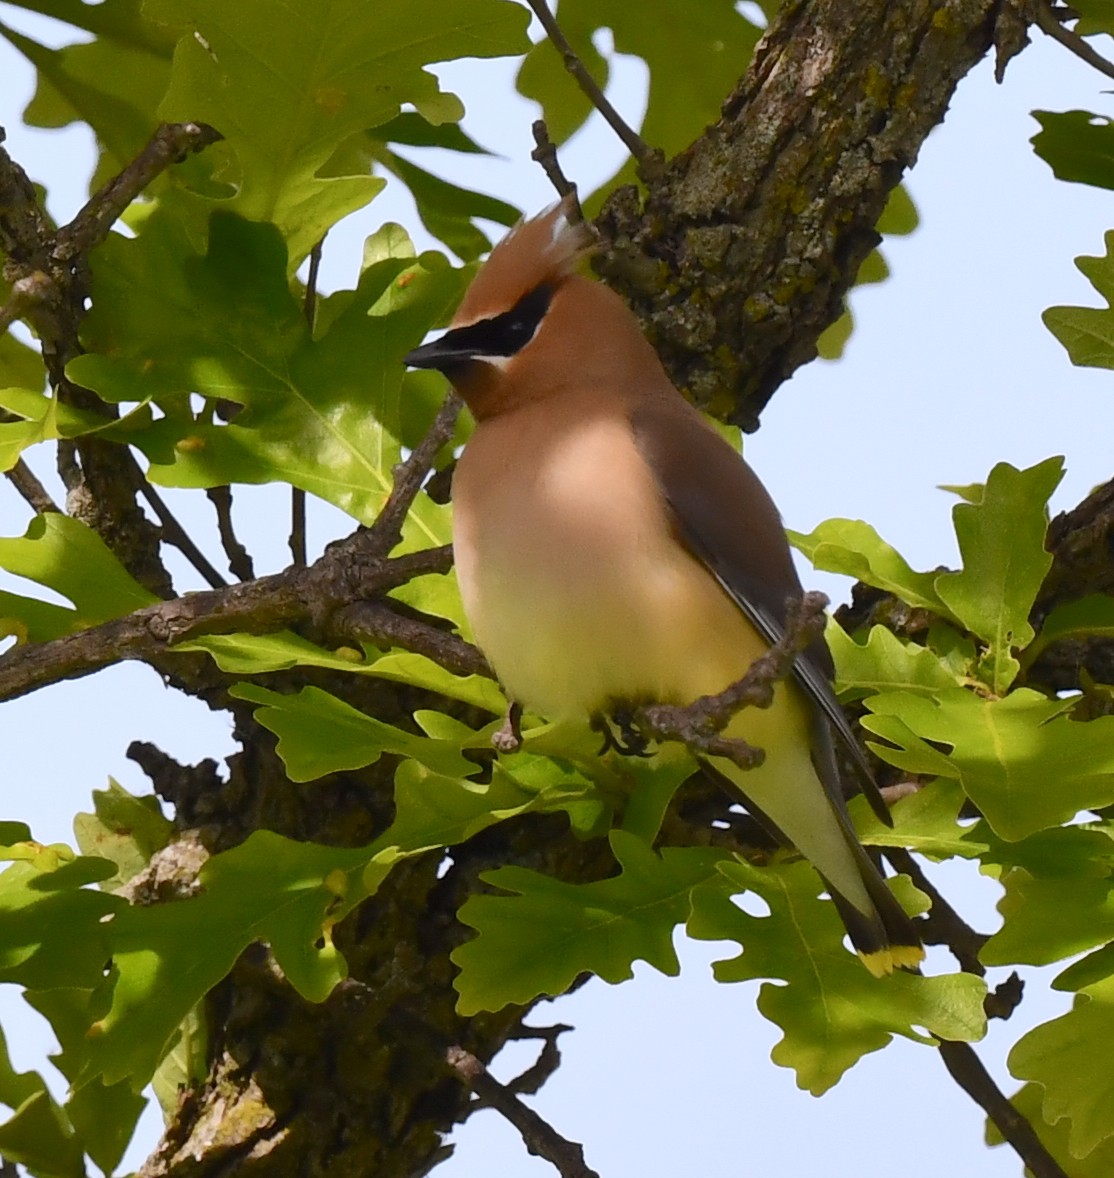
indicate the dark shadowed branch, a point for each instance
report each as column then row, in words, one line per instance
column 969, row 1072
column 1049, row 21
column 545, row 154
column 26, row 482
column 409, row 476
column 345, row 574
column 170, row 144
column 539, row 1137
column 239, row 559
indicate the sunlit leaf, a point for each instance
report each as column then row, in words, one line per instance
column 832, row 1010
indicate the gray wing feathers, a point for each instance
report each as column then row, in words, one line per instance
column 725, row 517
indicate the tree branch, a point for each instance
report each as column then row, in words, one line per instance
column 539, row 1137
column 25, row 481
column 344, row 574
column 969, row 1072
column 545, row 153
column 942, row 925
column 740, row 252
column 587, row 83
column 170, row 144
column 1048, row 22
column 174, row 533
column 297, row 495
column 239, row 559
column 409, row 476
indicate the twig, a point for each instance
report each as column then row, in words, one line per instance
column 968, row 1071
column 69, row 470
column 1047, row 23
column 943, row 925
column 23, row 478
column 587, row 83
column 297, row 495
column 309, row 304
column 174, row 533
column 298, row 526
column 545, row 153
column 548, row 1061
column 699, row 724
column 372, row 621
column 508, row 739
column 239, row 559
column 170, row 144
column 313, row 595
column 409, row 476
column 539, row 1137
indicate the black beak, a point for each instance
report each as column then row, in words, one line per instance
column 442, row 354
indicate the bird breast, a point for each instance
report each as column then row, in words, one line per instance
column 576, row 588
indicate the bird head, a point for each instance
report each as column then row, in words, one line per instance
column 527, row 323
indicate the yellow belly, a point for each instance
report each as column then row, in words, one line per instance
column 577, row 591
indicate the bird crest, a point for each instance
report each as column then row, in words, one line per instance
column 542, row 249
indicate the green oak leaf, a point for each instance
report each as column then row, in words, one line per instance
column 1058, row 897
column 1004, row 753
column 1001, row 539
column 52, row 927
column 168, row 956
column 538, row 940
column 125, row 829
column 854, row 548
column 432, row 810
column 832, row 1011
column 447, row 210
column 926, row 821
column 1088, row 332
column 695, row 55
column 103, row 1116
column 319, row 413
column 262, row 654
column 40, row 1137
column 62, row 554
column 43, row 418
column 113, row 87
column 1095, row 17
column 1077, row 1080
column 884, row 663
column 321, row 734
column 1077, row 145
column 15, row 1087
column 20, row 365
column 326, row 71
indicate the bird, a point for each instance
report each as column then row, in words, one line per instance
column 613, row 549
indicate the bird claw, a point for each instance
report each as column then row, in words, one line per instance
column 628, row 743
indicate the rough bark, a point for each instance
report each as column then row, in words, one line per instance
column 745, row 244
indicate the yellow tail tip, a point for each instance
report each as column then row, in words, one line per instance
column 884, row 961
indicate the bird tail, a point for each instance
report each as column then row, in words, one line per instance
column 884, row 938
column 816, row 822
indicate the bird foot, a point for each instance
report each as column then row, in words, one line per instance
column 628, row 742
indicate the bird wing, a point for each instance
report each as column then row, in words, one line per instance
column 725, row 517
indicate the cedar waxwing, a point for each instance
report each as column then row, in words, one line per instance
column 613, row 549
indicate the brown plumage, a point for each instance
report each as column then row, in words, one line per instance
column 612, row 548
